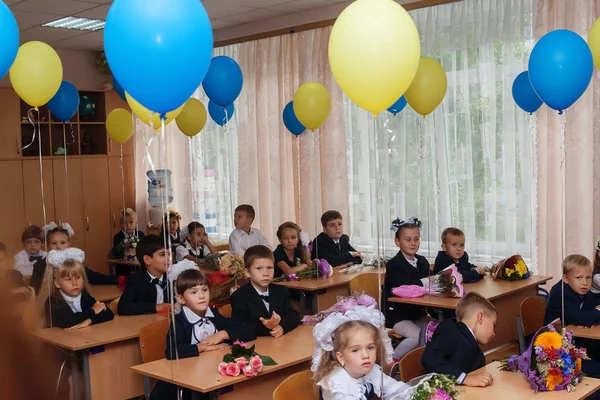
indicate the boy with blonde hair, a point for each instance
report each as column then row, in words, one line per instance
column 453, row 252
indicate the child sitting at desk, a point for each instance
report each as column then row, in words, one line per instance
column 32, row 239
column 453, row 253
column 146, row 291
column 128, row 219
column 260, row 304
column 454, row 347
column 244, row 235
column 291, row 255
column 197, row 245
column 332, row 244
column 171, row 226
column 69, row 304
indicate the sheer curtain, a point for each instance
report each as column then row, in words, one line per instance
column 469, row 164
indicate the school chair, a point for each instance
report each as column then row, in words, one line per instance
column 153, row 342
column 297, row 386
column 225, row 310
column 368, row 283
column 113, row 305
column 223, row 247
column 410, row 364
column 531, row 318
column 27, row 280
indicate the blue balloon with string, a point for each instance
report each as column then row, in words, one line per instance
column 65, row 102
column 223, row 81
column 398, row 105
column 290, row 120
column 221, row 115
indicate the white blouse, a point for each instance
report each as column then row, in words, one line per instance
column 203, row 327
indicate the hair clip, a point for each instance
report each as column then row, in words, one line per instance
column 56, row 258
column 397, row 223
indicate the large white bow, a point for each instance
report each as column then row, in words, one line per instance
column 56, row 258
column 176, row 269
column 65, row 225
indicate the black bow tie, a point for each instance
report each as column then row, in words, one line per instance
column 156, row 281
column 264, row 297
column 35, row 258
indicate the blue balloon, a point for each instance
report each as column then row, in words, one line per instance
column 524, row 95
column 291, row 121
column 398, row 105
column 119, row 89
column 223, row 81
column 560, row 68
column 160, row 50
column 9, row 39
column 65, row 102
column 221, row 115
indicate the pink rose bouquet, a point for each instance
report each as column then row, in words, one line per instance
column 447, row 283
column 343, row 305
column 244, row 360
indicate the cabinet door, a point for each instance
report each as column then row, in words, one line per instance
column 12, row 217
column 114, row 101
column 34, row 212
column 120, row 184
column 96, row 212
column 68, row 197
column 10, row 121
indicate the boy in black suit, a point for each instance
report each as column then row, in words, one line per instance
column 454, row 347
column 146, row 291
column 259, row 304
column 453, row 252
column 332, row 245
column 128, row 220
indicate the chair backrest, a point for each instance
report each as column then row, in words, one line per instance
column 533, row 309
column 153, row 340
column 113, row 305
column 368, row 283
column 223, row 247
column 225, row 310
column 410, row 364
column 297, row 386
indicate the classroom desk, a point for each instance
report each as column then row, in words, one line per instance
column 120, row 261
column 589, row 333
column 107, row 351
column 513, row 385
column 105, row 293
column 506, row 297
column 292, row 353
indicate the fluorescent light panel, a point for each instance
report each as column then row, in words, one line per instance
column 81, row 24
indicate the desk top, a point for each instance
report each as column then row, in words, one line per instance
column 201, row 374
column 590, row 333
column 487, row 287
column 120, row 261
column 119, row 329
column 314, row 284
column 513, row 385
column 105, row 292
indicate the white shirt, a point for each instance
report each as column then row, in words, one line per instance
column 263, row 294
column 203, row 327
column 413, row 262
column 160, row 294
column 74, row 302
column 240, row 241
column 184, row 250
column 22, row 263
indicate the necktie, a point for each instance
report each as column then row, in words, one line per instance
column 156, row 281
column 264, row 297
column 35, row 258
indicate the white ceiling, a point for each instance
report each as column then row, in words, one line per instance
column 31, row 14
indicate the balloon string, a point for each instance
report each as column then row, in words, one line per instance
column 297, row 138
column 72, row 134
column 192, row 175
column 229, row 162
column 563, row 130
column 42, row 178
column 67, row 186
column 122, row 178
column 34, row 127
column 392, row 137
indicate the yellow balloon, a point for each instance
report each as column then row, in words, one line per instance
column 312, row 105
column 144, row 114
column 192, row 118
column 594, row 42
column 374, row 51
column 119, row 125
column 428, row 88
column 36, row 73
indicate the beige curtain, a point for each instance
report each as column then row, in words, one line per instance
column 568, row 201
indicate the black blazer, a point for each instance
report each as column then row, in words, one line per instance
column 453, row 350
column 140, row 295
column 399, row 272
column 181, row 337
column 94, row 278
column 247, row 308
column 579, row 310
column 64, row 317
column 466, row 269
column 330, row 251
column 118, row 238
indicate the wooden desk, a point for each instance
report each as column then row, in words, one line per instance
column 506, row 297
column 513, row 385
column 105, row 293
column 106, row 351
column 120, row 261
column 292, row 353
column 589, row 333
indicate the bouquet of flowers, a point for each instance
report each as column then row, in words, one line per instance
column 128, row 246
column 435, row 387
column 372, row 262
column 512, row 268
column 102, row 64
column 228, row 269
column 318, row 268
column 243, row 360
column 551, row 362
column 343, row 305
column 447, row 283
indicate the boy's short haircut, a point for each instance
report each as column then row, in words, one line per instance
column 2, row 247
column 128, row 212
column 471, row 303
column 330, row 215
column 32, row 232
column 188, row 279
column 147, row 246
column 256, row 252
column 192, row 226
column 247, row 208
column 451, row 232
column 575, row 260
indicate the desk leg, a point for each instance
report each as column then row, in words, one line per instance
column 313, row 302
column 86, row 375
column 111, row 268
column 75, row 374
column 214, row 395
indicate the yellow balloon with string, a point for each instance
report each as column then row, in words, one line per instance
column 119, row 125
column 192, row 118
column 428, row 89
column 146, row 115
column 312, row 105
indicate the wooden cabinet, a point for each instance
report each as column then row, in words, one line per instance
column 10, row 139
column 68, row 197
column 114, row 149
column 32, row 191
column 12, row 217
column 122, row 188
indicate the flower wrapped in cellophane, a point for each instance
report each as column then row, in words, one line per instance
column 372, row 262
column 228, row 268
column 317, row 269
column 434, row 387
column 551, row 362
column 343, row 305
column 512, row 268
column 447, row 283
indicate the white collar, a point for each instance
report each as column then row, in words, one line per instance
column 252, row 230
column 470, row 330
column 341, row 382
column 188, row 246
column 155, row 277
column 193, row 318
column 74, row 302
column 259, row 292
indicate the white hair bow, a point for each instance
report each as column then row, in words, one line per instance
column 56, row 258
column 65, row 225
column 304, row 239
column 176, row 269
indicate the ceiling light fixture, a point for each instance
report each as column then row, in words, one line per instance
column 81, row 24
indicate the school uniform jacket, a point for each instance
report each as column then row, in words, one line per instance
column 453, row 350
column 140, row 294
column 64, row 317
column 94, row 278
column 400, row 272
column 579, row 310
column 181, row 337
column 324, row 247
column 466, row 269
column 247, row 308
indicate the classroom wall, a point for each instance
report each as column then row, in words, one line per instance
column 79, row 68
